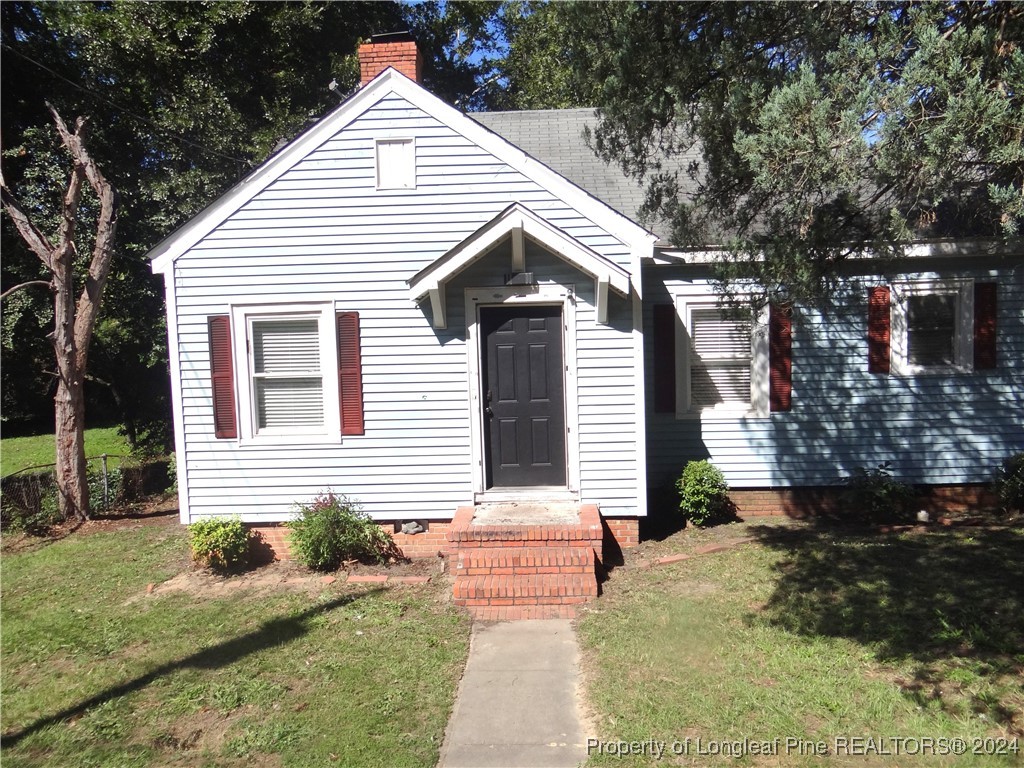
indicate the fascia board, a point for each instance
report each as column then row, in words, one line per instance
column 917, row 249
column 515, row 217
column 170, row 248
column 576, row 253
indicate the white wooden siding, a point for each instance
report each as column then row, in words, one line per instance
column 323, row 229
column 934, row 428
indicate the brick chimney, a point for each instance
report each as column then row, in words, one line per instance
column 395, row 49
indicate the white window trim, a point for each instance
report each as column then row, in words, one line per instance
column 759, row 406
column 963, row 347
column 242, row 318
column 413, row 176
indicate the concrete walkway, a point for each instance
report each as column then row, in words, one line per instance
column 517, row 705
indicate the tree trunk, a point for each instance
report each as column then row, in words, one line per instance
column 71, row 468
column 73, row 322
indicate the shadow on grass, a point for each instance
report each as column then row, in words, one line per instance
column 270, row 634
column 950, row 601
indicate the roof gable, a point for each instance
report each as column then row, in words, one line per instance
column 517, row 221
column 391, row 81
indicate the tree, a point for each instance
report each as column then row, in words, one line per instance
column 185, row 99
column 540, row 68
column 823, row 131
column 73, row 321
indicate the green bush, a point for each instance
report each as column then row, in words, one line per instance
column 704, row 494
column 219, row 542
column 172, row 473
column 1010, row 484
column 115, row 489
column 32, row 507
column 332, row 529
column 875, row 496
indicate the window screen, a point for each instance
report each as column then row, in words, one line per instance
column 288, row 383
column 720, row 358
column 931, row 329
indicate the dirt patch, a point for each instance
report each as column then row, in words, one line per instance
column 206, row 583
column 205, row 731
column 159, row 511
column 286, row 575
column 694, row 542
column 421, row 566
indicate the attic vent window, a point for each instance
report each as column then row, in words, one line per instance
column 396, row 164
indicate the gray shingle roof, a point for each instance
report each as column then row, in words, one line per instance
column 555, row 137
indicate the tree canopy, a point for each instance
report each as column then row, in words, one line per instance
column 822, row 130
column 183, row 99
column 793, row 135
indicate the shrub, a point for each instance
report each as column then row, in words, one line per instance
column 704, row 494
column 875, row 496
column 219, row 542
column 172, row 473
column 1009, row 484
column 115, row 489
column 331, row 529
column 31, row 506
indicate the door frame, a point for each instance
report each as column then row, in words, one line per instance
column 550, row 295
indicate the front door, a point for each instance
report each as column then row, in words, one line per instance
column 523, row 396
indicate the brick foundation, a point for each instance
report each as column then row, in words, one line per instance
column 824, row 501
column 429, row 543
column 624, row 531
column 270, row 542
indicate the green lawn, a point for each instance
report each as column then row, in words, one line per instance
column 96, row 672
column 813, row 635
column 17, row 453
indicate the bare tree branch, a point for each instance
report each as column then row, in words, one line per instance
column 19, row 286
column 103, row 249
column 36, row 240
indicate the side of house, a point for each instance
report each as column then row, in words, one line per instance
column 920, row 367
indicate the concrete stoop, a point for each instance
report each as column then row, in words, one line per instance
column 518, row 569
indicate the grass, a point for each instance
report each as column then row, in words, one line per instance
column 17, row 453
column 816, row 635
column 97, row 672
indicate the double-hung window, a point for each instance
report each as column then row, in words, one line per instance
column 720, row 358
column 724, row 365
column 290, row 386
column 932, row 326
column 287, row 374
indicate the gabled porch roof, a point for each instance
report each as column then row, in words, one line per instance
column 517, row 222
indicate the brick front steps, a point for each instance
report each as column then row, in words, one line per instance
column 522, row 570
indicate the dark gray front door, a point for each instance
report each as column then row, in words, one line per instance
column 523, row 396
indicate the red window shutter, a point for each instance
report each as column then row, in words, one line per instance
column 664, row 348
column 222, row 376
column 879, row 324
column 984, row 326
column 350, row 375
column 780, row 358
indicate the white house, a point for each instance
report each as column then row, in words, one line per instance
column 426, row 310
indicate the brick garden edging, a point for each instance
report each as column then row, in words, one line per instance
column 707, row 549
